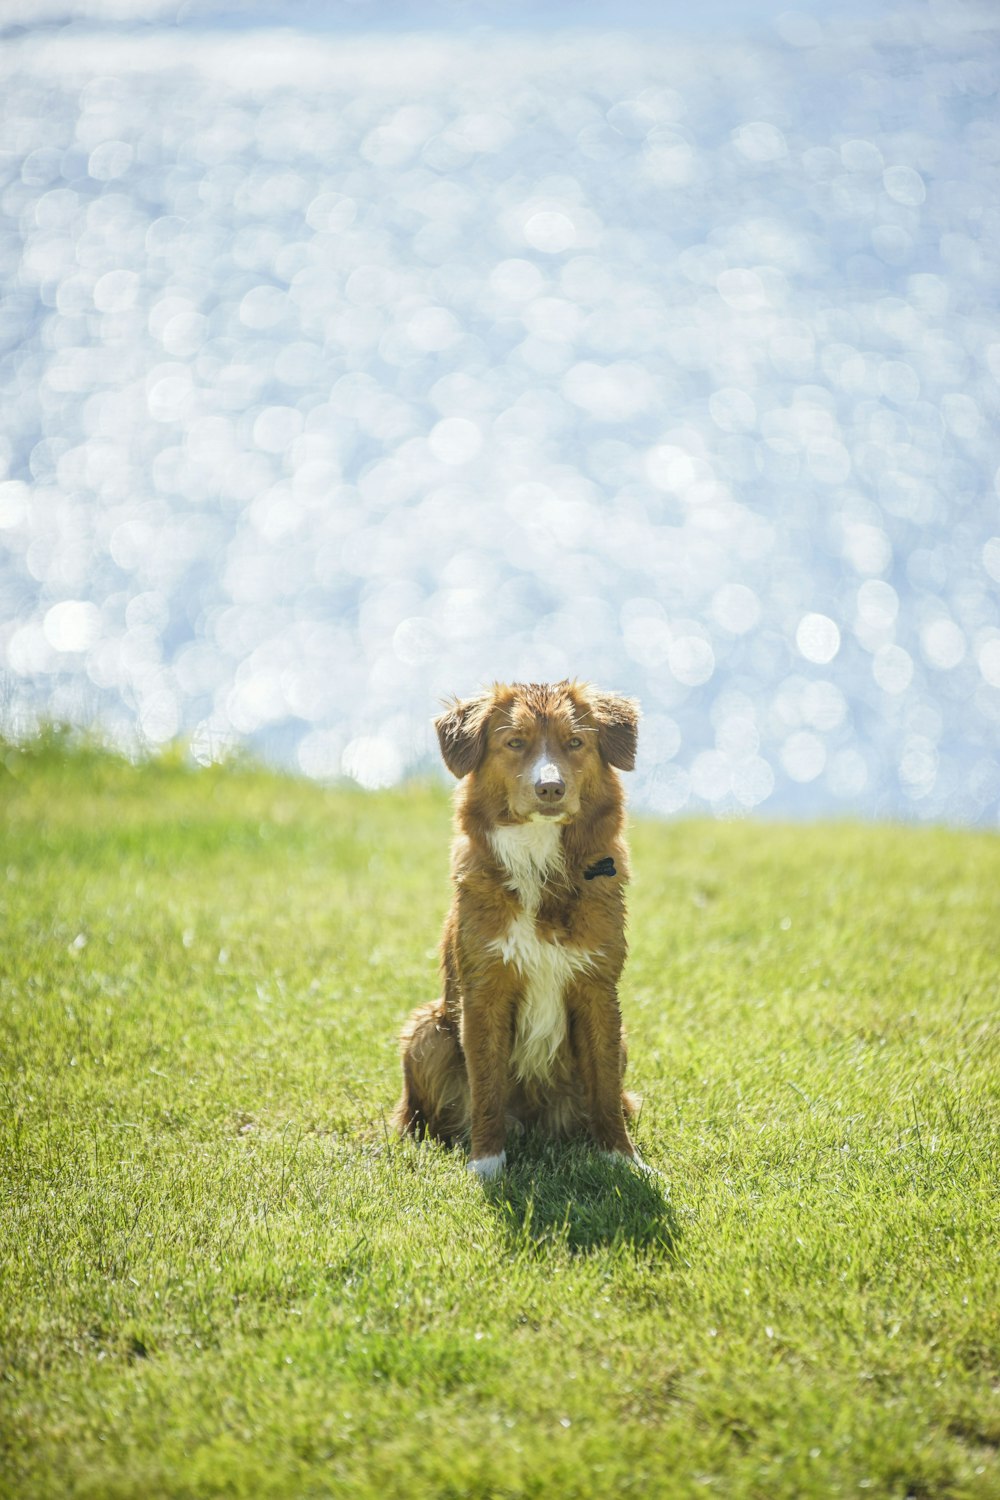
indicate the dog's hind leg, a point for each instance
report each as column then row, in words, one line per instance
column 435, row 1099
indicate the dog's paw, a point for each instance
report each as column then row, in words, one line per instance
column 488, row 1167
column 634, row 1161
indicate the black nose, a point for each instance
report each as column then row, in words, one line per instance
column 550, row 789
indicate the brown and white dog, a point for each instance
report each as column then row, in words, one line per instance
column 528, row 1030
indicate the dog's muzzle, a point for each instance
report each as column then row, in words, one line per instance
column 549, row 785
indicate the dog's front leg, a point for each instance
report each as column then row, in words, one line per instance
column 487, row 1031
column 597, row 1041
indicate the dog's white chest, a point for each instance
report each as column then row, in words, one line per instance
column 547, row 968
column 530, row 853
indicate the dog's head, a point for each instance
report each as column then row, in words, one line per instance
column 539, row 751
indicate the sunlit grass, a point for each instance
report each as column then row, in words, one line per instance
column 219, row 1275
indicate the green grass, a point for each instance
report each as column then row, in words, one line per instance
column 220, row 1276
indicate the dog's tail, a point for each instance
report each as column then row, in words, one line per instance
column 408, row 1118
column 435, row 1100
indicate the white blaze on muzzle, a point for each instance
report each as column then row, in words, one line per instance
column 545, row 770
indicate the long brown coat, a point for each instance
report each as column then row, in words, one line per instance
column 528, row 1029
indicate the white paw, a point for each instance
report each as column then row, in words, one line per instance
column 635, row 1161
column 488, row 1167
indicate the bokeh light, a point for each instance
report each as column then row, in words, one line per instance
column 343, row 370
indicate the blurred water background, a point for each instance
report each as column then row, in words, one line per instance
column 353, row 355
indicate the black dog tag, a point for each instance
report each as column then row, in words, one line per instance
column 605, row 866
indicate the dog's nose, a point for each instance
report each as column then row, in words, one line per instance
column 549, row 785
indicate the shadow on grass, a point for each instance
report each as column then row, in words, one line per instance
column 554, row 1194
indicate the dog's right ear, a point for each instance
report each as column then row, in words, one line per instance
column 461, row 733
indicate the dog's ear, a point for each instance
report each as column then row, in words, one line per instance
column 461, row 731
column 617, row 721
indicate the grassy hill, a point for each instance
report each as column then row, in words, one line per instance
column 219, row 1275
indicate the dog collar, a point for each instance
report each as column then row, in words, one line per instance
column 605, row 866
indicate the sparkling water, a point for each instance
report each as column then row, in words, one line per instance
column 345, row 368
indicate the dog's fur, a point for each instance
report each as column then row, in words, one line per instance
column 528, row 1030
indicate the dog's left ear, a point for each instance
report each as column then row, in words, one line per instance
column 617, row 728
column 461, row 731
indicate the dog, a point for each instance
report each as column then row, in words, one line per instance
column 528, row 1031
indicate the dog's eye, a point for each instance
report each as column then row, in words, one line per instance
column 575, row 742
column 515, row 744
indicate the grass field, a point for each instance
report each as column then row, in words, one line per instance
column 220, row 1276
